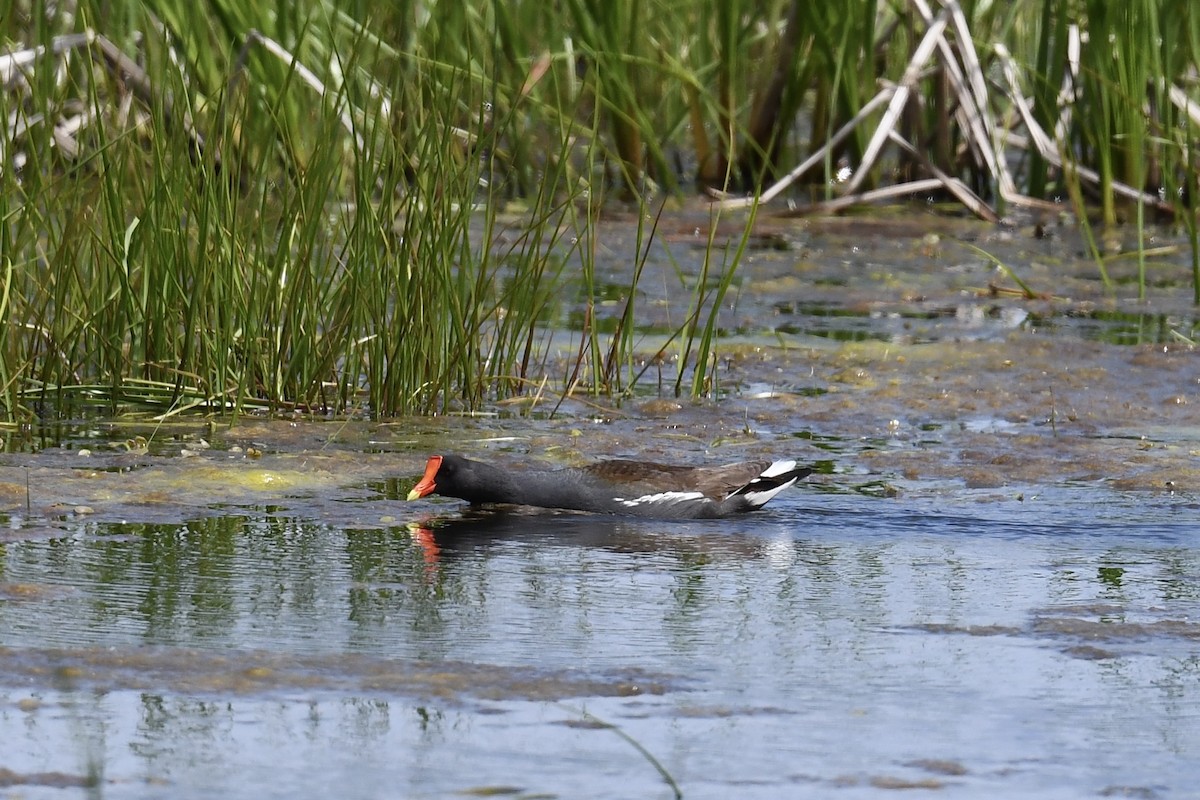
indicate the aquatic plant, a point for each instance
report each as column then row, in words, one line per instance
column 230, row 206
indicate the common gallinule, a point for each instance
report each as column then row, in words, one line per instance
column 635, row 488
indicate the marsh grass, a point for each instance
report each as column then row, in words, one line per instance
column 226, row 207
column 358, row 274
column 699, row 332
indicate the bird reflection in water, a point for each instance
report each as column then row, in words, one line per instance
column 441, row 539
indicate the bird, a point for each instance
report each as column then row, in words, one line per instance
column 618, row 486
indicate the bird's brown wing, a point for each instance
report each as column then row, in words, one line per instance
column 714, row 482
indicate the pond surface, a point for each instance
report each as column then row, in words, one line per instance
column 990, row 588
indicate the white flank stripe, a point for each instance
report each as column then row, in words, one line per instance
column 661, row 497
column 778, row 468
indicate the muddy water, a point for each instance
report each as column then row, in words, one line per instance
column 989, row 589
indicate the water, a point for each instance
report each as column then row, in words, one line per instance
column 990, row 588
column 832, row 645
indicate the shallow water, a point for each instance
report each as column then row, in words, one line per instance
column 990, row 588
column 827, row 646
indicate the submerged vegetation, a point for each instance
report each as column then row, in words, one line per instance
column 369, row 206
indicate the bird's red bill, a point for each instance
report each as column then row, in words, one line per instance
column 427, row 484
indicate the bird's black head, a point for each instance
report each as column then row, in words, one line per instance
column 455, row 476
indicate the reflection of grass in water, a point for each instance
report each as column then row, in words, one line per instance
column 595, row 721
column 91, row 743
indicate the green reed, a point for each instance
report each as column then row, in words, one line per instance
column 699, row 332
column 716, row 89
column 376, row 207
column 324, row 286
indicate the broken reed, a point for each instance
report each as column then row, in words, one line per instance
column 297, row 207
